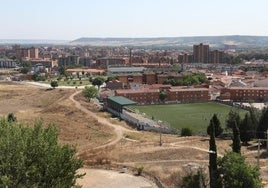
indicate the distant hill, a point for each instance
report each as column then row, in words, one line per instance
column 239, row 41
column 32, row 41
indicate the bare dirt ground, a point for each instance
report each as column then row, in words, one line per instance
column 82, row 125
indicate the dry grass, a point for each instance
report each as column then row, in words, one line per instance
column 30, row 104
column 137, row 148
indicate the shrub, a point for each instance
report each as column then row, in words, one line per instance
column 186, row 132
column 140, row 169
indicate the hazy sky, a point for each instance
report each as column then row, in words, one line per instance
column 72, row 19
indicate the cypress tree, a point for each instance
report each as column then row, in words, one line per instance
column 212, row 156
column 217, row 126
column 236, row 139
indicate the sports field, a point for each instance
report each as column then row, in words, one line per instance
column 195, row 116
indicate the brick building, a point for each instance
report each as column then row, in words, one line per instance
column 141, row 96
column 149, row 78
column 27, row 53
column 105, row 62
column 150, row 94
column 180, row 94
column 114, row 84
column 185, row 58
column 244, row 94
column 201, row 53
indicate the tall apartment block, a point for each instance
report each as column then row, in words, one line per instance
column 28, row 53
column 216, row 57
column 201, row 53
column 34, row 53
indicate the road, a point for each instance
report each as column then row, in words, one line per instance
column 118, row 130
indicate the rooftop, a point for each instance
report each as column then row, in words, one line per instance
column 122, row 100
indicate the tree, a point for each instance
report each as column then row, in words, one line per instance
column 25, row 70
column 233, row 116
column 236, row 173
column 90, row 92
column 263, row 124
column 236, row 139
column 54, row 84
column 26, row 67
column 196, row 180
column 246, row 129
column 62, row 70
column 32, row 157
column 98, row 82
column 162, row 95
column 217, row 126
column 212, row 158
column 111, row 78
column 254, row 116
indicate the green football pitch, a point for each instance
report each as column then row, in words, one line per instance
column 195, row 115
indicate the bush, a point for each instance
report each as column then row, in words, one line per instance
column 197, row 180
column 32, row 157
column 11, row 117
column 54, row 83
column 186, row 132
column 140, row 169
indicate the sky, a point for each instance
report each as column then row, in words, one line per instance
column 72, row 19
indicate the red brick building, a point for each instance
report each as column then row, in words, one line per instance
column 150, row 94
column 149, row 78
column 114, row 84
column 244, row 93
column 180, row 94
column 141, row 96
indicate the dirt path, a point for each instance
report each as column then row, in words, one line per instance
column 118, row 130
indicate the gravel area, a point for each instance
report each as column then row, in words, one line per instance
column 111, row 179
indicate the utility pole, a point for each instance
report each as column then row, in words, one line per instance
column 160, row 132
column 258, row 157
column 267, row 140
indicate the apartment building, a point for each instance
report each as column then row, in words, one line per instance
column 150, row 94
column 141, row 96
column 105, row 62
column 27, row 53
column 216, row 57
column 244, row 93
column 66, row 60
column 180, row 94
column 7, row 63
column 186, row 58
column 201, row 53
